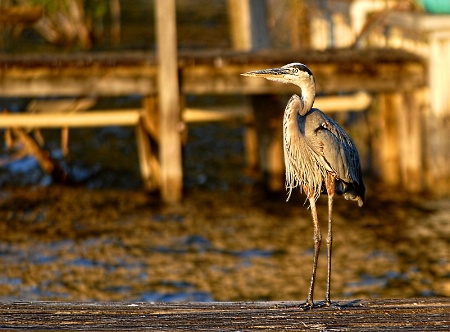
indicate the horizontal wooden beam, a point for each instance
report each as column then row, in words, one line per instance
column 114, row 118
column 207, row 73
column 358, row 101
column 216, row 113
column 417, row 21
column 15, row 15
column 330, row 78
column 83, row 82
column 130, row 117
column 86, row 119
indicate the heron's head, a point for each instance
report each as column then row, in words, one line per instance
column 295, row 73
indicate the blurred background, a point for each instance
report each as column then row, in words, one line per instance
column 82, row 220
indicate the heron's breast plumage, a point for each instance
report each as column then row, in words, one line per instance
column 302, row 162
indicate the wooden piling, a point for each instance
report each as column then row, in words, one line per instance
column 248, row 24
column 387, row 144
column 410, row 143
column 438, row 124
column 169, row 102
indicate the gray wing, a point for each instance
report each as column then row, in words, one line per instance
column 338, row 153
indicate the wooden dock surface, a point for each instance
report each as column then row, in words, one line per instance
column 424, row 314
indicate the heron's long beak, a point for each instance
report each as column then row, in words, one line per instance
column 266, row 73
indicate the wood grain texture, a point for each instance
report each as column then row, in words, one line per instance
column 427, row 314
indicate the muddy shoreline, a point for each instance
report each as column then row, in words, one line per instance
column 75, row 244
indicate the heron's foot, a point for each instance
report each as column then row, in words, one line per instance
column 328, row 303
column 308, row 305
column 311, row 305
column 323, row 304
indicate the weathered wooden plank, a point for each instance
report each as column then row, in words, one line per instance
column 427, row 314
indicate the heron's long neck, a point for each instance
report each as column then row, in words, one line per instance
column 300, row 161
column 308, row 95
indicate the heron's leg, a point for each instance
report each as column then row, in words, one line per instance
column 317, row 241
column 330, row 185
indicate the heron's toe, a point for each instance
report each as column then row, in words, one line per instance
column 306, row 306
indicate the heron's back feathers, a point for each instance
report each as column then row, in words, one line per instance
column 338, row 153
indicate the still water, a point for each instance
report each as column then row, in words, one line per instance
column 228, row 240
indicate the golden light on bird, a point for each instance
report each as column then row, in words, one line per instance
column 320, row 156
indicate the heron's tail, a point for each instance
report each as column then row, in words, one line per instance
column 351, row 192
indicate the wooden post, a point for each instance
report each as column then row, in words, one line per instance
column 147, row 134
column 248, row 24
column 410, row 133
column 149, row 165
column 388, row 140
column 251, row 145
column 238, row 11
column 169, row 102
column 438, row 117
column 299, row 24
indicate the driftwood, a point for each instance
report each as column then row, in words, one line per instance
column 428, row 314
column 31, row 147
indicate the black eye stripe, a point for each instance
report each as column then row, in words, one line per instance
column 305, row 69
column 297, row 67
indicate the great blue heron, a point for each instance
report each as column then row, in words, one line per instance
column 320, row 157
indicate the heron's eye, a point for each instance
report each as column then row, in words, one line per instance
column 295, row 70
